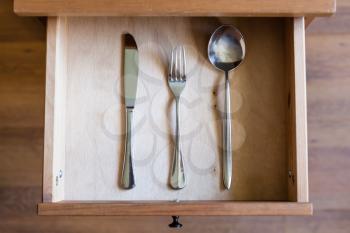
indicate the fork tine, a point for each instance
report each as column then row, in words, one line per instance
column 183, row 76
column 178, row 67
column 171, row 65
column 180, row 63
column 177, row 63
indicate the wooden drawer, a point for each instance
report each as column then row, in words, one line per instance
column 84, row 119
column 83, row 126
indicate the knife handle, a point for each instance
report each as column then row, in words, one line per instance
column 128, row 178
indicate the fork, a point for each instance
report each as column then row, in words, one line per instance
column 177, row 81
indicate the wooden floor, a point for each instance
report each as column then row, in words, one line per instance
column 22, row 70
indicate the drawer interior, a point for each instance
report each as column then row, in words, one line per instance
column 84, row 129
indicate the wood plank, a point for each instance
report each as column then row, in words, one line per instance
column 19, row 28
column 300, row 111
column 290, row 83
column 21, row 98
column 20, row 162
column 174, row 8
column 19, row 201
column 330, row 192
column 321, row 222
column 298, row 158
column 328, row 49
column 54, row 142
column 212, row 208
column 328, row 60
column 338, row 24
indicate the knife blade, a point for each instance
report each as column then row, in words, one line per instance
column 130, row 75
column 131, row 70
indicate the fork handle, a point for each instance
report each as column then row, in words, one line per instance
column 128, row 179
column 227, row 146
column 177, row 178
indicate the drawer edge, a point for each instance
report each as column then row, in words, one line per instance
column 188, row 208
column 272, row 8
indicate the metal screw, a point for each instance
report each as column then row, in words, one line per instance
column 60, row 173
column 56, row 180
column 291, row 176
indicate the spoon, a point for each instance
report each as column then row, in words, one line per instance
column 226, row 50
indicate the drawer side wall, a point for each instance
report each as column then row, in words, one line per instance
column 54, row 152
column 298, row 154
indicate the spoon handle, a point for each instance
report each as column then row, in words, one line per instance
column 227, row 146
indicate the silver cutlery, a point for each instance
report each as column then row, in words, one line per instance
column 130, row 86
column 177, row 81
column 226, row 50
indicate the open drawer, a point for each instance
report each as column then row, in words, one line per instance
column 84, row 126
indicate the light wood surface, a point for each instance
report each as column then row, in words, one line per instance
column 22, row 42
column 54, row 147
column 297, row 127
column 213, row 208
column 299, row 101
column 174, row 8
column 88, row 127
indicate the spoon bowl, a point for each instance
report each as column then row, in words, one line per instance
column 226, row 51
column 226, row 48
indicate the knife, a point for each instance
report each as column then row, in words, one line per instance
column 130, row 74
